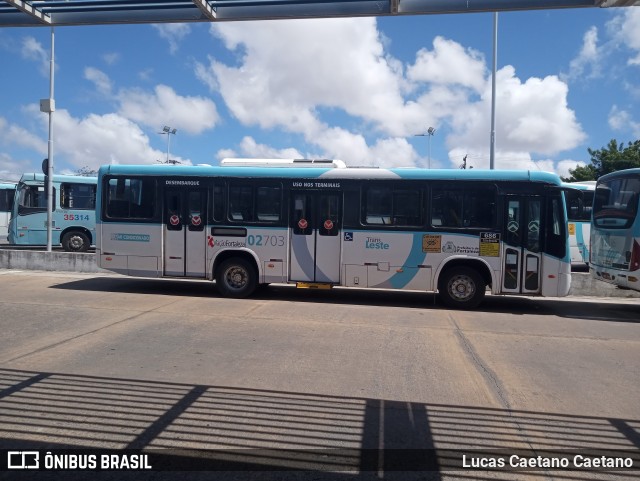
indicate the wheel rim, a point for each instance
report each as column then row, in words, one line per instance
column 76, row 242
column 236, row 277
column 462, row 288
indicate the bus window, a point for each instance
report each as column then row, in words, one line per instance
column 240, row 203
column 269, row 201
column 393, row 206
column 131, row 198
column 77, row 196
column 33, row 197
column 469, row 208
column 261, row 204
column 218, row 203
column 556, row 237
column 616, row 203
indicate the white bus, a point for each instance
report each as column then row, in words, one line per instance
column 7, row 192
column 579, row 205
column 452, row 231
column 615, row 230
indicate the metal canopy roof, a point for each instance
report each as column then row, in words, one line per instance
column 20, row 13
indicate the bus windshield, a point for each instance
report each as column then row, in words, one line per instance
column 616, row 203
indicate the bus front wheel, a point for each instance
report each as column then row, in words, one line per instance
column 461, row 288
column 237, row 278
column 75, row 241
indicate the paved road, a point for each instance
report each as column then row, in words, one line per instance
column 116, row 362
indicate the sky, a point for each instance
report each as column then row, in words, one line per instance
column 358, row 89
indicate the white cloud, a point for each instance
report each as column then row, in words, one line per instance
column 31, row 49
column 10, row 169
column 282, row 81
column 251, row 149
column 111, row 58
column 90, row 141
column 102, row 139
column 588, row 58
column 12, row 134
column 450, row 64
column 622, row 120
column 173, row 33
column 279, row 83
column 101, row 81
column 164, row 107
column 625, row 29
column 530, row 117
column 563, row 166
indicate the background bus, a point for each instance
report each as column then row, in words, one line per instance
column 452, row 231
column 615, row 230
column 73, row 212
column 579, row 206
column 7, row 192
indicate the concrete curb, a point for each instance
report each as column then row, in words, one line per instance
column 49, row 261
column 582, row 284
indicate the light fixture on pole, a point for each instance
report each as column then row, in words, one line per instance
column 168, row 131
column 429, row 133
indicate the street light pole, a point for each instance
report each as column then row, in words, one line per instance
column 492, row 150
column 429, row 133
column 168, row 131
column 48, row 106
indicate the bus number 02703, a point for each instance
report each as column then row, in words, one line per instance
column 265, row 240
column 76, row 217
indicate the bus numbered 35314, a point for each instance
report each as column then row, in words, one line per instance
column 73, row 215
column 456, row 232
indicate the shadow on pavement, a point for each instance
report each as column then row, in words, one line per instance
column 191, row 431
column 574, row 308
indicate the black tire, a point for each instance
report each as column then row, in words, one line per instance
column 236, row 278
column 75, row 241
column 461, row 288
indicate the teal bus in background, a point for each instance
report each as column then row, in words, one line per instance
column 74, row 212
column 7, row 193
column 579, row 201
column 615, row 230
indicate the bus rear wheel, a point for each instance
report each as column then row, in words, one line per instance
column 75, row 241
column 461, row 288
column 236, row 278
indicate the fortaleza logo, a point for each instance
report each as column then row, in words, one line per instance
column 375, row 243
column 33, row 460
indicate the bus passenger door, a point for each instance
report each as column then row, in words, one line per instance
column 315, row 223
column 522, row 259
column 185, row 235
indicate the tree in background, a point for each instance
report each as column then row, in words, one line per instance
column 603, row 161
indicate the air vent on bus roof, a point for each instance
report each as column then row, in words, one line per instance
column 333, row 163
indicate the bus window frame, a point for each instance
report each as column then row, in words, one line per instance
column 420, row 188
column 254, row 185
column 155, row 204
column 626, row 220
column 26, row 210
column 464, row 188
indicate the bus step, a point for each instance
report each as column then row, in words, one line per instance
column 313, row 285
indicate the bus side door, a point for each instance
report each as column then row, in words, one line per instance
column 185, row 235
column 315, row 224
column 522, row 259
